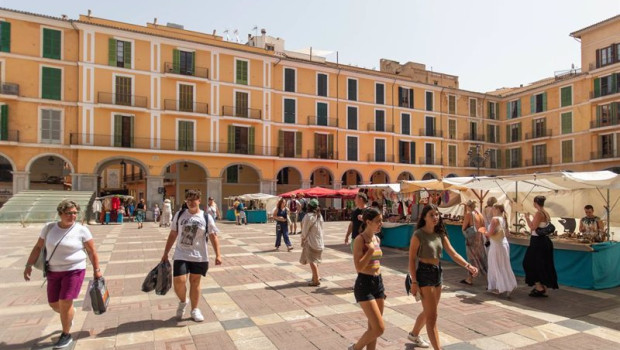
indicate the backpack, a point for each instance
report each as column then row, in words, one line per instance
column 304, row 205
column 240, row 206
column 292, row 205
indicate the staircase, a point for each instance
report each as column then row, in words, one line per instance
column 40, row 206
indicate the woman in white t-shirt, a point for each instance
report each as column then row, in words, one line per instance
column 65, row 242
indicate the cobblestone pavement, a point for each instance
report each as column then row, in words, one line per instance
column 259, row 299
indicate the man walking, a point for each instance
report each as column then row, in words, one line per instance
column 356, row 218
column 191, row 229
column 293, row 209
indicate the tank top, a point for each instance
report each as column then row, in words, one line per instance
column 430, row 244
column 500, row 232
column 282, row 213
column 375, row 260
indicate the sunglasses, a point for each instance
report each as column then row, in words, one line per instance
column 70, row 213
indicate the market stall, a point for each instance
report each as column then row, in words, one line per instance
column 257, row 206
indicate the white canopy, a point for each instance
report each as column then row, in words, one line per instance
column 269, row 200
column 394, row 187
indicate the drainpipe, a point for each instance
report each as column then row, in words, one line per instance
column 77, row 89
column 393, row 128
column 442, row 142
column 337, row 110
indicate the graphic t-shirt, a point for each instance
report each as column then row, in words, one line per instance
column 191, row 239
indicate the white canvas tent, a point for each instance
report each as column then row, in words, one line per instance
column 270, row 201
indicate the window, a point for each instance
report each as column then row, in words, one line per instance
column 50, row 126
column 493, row 158
column 183, row 62
column 513, row 158
column 352, row 148
column 241, row 104
column 473, row 107
column 289, row 144
column 513, row 109
column 123, row 130
column 380, row 120
column 567, row 151
column 451, row 104
column 606, row 85
column 4, row 123
column 429, row 100
column 429, row 157
column 606, row 144
column 405, row 124
column 5, row 36
column 567, row 122
column 379, row 150
column 473, row 131
column 429, row 123
column 186, row 98
column 289, row 80
column 513, row 132
column 185, row 135
column 352, row 118
column 608, row 55
column 51, row 43
column 122, row 88
column 321, row 113
column 539, row 154
column 232, row 174
column 51, row 83
column 492, row 110
column 452, row 129
column 538, row 103
column 352, row 89
column 321, row 84
column 323, row 146
column 451, row 155
column 607, row 115
column 492, row 133
column 566, row 96
column 241, row 72
column 119, row 53
column 379, row 93
column 289, row 111
column 539, row 128
column 405, row 97
column 406, row 152
column 240, row 139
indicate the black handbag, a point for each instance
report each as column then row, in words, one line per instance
column 546, row 231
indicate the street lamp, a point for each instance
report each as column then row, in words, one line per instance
column 476, row 158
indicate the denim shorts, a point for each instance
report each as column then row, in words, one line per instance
column 368, row 287
column 429, row 275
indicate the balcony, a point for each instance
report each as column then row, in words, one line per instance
column 320, row 154
column 9, row 89
column 199, row 72
column 287, row 152
column 604, row 121
column 380, row 127
column 492, row 138
column 322, row 121
column 538, row 134
column 430, row 161
column 431, row 132
column 9, row 135
column 538, row 161
column 513, row 164
column 251, row 113
column 380, row 158
column 406, row 160
column 607, row 154
column 602, row 93
column 186, row 106
column 473, row 137
column 122, row 99
column 242, row 148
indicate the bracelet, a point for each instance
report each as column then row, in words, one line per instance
column 97, row 270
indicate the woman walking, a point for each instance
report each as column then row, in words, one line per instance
column 213, row 209
column 166, row 214
column 369, row 290
column 538, row 260
column 65, row 242
column 488, row 212
column 280, row 215
column 473, row 230
column 500, row 276
column 425, row 248
column 140, row 213
column 312, row 240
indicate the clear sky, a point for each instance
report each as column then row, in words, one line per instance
column 488, row 43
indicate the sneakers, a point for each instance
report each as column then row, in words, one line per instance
column 181, row 309
column 197, row 315
column 351, row 347
column 418, row 341
column 289, row 248
column 64, row 341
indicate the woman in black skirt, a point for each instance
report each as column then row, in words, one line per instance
column 538, row 261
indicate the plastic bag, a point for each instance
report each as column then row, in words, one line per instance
column 87, row 303
column 100, row 297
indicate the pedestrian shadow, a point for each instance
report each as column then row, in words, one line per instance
column 35, row 345
column 139, row 326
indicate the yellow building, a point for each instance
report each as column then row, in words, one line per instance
column 98, row 105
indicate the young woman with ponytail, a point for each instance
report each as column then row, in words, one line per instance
column 500, row 277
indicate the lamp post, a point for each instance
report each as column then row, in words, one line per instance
column 476, row 158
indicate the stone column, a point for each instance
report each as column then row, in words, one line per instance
column 268, row 187
column 214, row 189
column 84, row 182
column 337, row 201
column 153, row 184
column 305, row 183
column 21, row 181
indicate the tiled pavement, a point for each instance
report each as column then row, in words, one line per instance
column 259, row 299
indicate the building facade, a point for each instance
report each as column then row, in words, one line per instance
column 98, row 105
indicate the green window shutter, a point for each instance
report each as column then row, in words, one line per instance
column 533, row 127
column 489, row 109
column 51, row 43
column 231, row 139
column 597, row 87
column 614, row 83
column 298, row 144
column 544, row 102
column 412, row 152
column 193, row 63
column 118, row 130
column 519, row 161
column 508, row 138
column 330, row 146
column 498, row 158
column 4, row 122
column 189, row 136
column 411, row 98
column 131, row 127
column 242, row 72
column 507, row 110
column 497, row 110
column 532, row 104
column 598, row 114
column 565, row 96
column 176, row 61
column 5, row 36
column 280, row 143
column 567, row 123
column 50, row 83
column 251, row 140
column 508, row 165
column 112, row 52
column 519, row 132
column 316, row 143
column 518, row 108
column 127, row 54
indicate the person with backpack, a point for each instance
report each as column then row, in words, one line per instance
column 303, row 210
column 191, row 229
column 293, row 210
column 242, row 217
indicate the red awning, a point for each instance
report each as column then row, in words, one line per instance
column 321, row 192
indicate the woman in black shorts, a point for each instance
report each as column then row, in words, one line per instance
column 369, row 290
column 427, row 242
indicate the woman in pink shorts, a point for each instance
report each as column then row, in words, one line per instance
column 65, row 241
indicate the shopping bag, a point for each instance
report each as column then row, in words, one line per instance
column 87, row 303
column 99, row 296
column 164, row 278
column 150, row 281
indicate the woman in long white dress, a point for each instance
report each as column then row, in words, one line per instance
column 500, row 276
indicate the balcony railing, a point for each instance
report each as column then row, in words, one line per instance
column 199, row 72
column 538, row 161
column 322, row 121
column 538, row 134
column 604, row 121
column 9, row 135
column 186, row 106
column 251, row 113
column 602, row 93
column 318, row 154
column 513, row 164
column 430, row 161
column 9, row 89
column 406, row 160
column 431, row 132
column 473, row 137
column 380, row 127
column 122, row 99
column 380, row 158
column 287, row 152
column 491, row 138
column 604, row 154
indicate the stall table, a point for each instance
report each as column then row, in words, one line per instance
column 253, row 216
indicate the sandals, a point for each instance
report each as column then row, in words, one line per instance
column 464, row 281
column 314, row 284
column 537, row 293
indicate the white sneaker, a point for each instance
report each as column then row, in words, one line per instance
column 197, row 315
column 181, row 309
column 351, row 347
column 418, row 341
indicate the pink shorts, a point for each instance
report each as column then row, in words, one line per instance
column 65, row 285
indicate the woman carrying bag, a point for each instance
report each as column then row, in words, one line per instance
column 312, row 240
column 65, row 242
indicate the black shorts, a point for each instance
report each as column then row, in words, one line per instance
column 428, row 275
column 368, row 287
column 183, row 267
